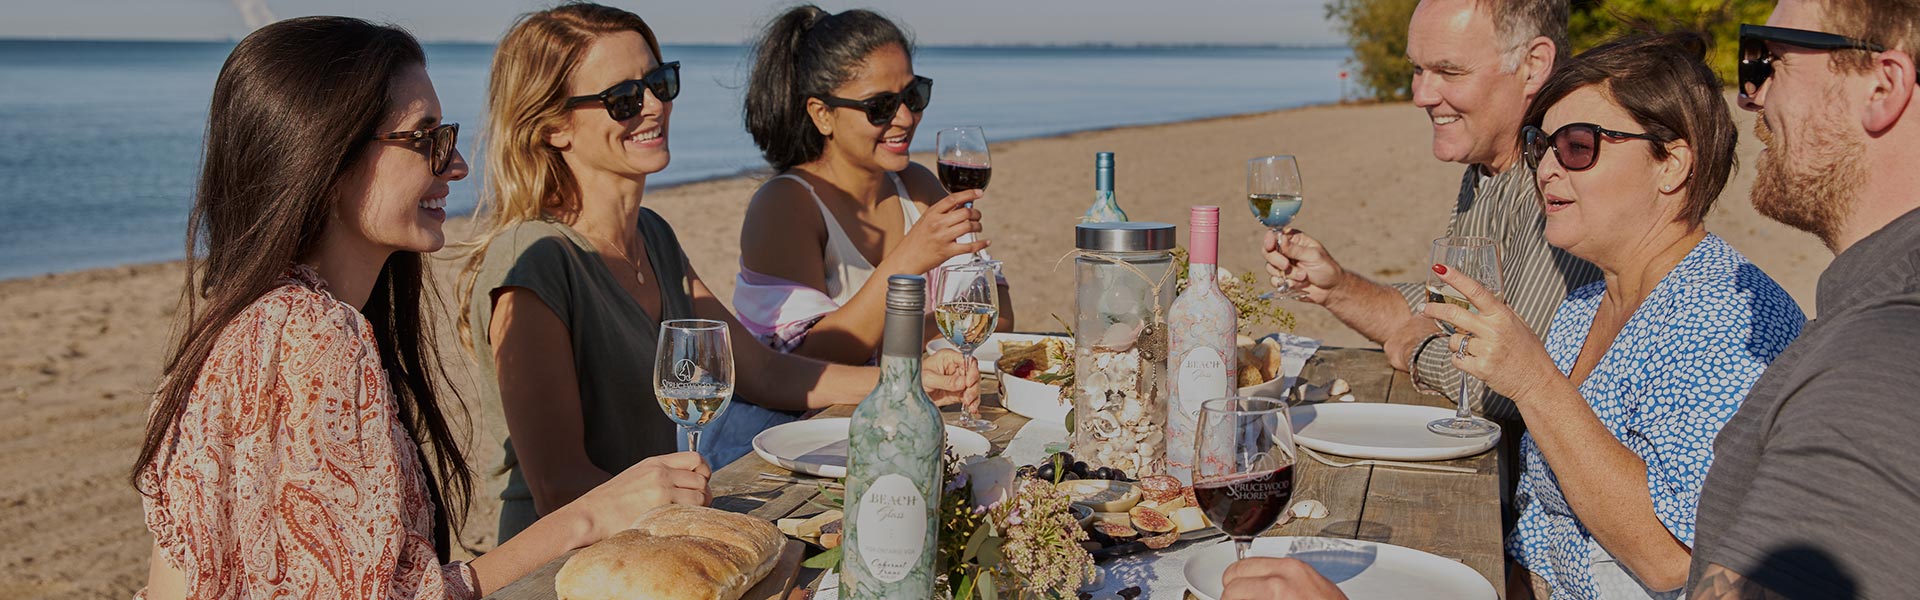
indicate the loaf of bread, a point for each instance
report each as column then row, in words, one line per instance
column 672, row 553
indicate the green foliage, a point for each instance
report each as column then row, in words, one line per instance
column 1377, row 32
column 1593, row 22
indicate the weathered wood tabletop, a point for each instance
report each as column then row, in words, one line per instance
column 1454, row 515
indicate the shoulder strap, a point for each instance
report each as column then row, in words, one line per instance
column 907, row 208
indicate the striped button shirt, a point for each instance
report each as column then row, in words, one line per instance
column 1536, row 277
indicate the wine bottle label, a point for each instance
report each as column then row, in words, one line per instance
column 893, row 527
column 1203, row 377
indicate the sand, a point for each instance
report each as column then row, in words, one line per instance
column 83, row 350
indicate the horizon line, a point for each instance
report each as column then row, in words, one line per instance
column 976, row 45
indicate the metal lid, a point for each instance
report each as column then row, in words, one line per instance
column 1136, row 236
column 906, row 293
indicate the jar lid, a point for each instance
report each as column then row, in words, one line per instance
column 1133, row 236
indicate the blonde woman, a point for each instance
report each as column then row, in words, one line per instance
column 571, row 276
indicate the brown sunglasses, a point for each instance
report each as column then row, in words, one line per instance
column 439, row 140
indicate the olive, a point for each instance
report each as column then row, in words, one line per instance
column 1065, row 456
column 1044, row 472
column 1104, row 473
column 1079, row 467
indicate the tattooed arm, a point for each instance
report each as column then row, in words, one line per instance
column 1721, row 583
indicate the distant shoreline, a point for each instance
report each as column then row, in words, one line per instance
column 1000, row 46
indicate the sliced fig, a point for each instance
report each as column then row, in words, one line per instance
column 1149, row 520
column 1161, row 541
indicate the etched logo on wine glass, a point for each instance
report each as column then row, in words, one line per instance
column 684, row 370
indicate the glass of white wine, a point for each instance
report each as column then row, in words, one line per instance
column 1274, row 194
column 1479, row 258
column 967, row 309
column 693, row 373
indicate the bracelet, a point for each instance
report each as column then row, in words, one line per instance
column 1413, row 365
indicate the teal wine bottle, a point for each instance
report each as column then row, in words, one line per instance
column 894, row 468
column 1104, row 209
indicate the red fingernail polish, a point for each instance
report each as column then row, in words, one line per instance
column 1441, row 269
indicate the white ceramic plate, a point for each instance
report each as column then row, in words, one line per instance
column 989, row 353
column 1364, row 570
column 819, row 446
column 1382, row 431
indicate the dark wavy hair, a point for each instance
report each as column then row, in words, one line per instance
column 292, row 112
column 805, row 53
column 1664, row 83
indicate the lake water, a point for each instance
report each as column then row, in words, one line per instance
column 100, row 141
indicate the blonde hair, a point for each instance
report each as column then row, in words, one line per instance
column 526, row 94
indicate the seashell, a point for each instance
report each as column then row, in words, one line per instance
column 1340, row 388
column 1347, row 398
column 1308, row 509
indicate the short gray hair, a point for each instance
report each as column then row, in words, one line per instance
column 1517, row 21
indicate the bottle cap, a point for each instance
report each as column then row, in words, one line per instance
column 907, row 293
column 1207, row 217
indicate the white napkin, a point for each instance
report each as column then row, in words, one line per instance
column 1295, row 350
column 1029, row 446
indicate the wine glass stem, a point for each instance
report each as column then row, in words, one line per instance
column 693, row 439
column 973, row 414
column 1465, row 410
column 1241, row 546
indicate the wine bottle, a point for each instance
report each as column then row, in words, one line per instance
column 894, row 469
column 1203, row 325
column 1104, row 209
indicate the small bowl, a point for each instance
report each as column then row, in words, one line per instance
column 1081, row 514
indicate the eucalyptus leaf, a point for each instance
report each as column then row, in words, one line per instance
column 964, row 591
column 974, row 542
column 987, row 590
column 824, row 560
column 990, row 552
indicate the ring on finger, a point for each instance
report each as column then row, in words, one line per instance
column 1465, row 338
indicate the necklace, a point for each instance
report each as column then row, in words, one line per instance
column 626, row 258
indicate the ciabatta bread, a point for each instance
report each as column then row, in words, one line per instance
column 674, row 553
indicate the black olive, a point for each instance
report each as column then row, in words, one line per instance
column 1079, row 467
column 1045, row 472
column 1103, row 473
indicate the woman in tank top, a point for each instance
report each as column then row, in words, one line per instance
column 565, row 291
column 822, row 236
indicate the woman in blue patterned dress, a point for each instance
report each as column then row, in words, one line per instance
column 1640, row 370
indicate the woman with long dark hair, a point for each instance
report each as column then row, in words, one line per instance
column 287, row 449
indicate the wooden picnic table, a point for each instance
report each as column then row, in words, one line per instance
column 1454, row 515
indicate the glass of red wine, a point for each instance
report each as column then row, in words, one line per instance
column 964, row 164
column 1244, row 479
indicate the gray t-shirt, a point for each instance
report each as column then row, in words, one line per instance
column 612, row 339
column 1815, row 485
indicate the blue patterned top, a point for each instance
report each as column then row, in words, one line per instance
column 1675, row 374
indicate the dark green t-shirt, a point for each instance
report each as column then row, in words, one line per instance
column 612, row 338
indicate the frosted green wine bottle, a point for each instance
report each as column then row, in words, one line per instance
column 893, row 465
column 1105, row 209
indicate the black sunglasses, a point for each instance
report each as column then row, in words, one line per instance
column 623, row 100
column 1756, row 61
column 1576, row 144
column 439, row 142
column 882, row 106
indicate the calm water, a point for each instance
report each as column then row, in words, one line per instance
column 100, row 141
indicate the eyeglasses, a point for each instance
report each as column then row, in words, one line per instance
column 1756, row 61
column 439, row 142
column 882, row 106
column 624, row 99
column 1576, row 144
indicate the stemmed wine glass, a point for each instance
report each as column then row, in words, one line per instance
column 964, row 163
column 693, row 373
column 1244, row 479
column 1274, row 194
column 967, row 311
column 1479, row 258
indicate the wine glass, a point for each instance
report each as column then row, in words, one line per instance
column 1274, row 194
column 964, row 164
column 1479, row 258
column 967, row 310
column 1244, row 479
column 693, row 373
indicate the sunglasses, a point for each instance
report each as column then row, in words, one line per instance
column 1577, row 145
column 624, row 99
column 1756, row 61
column 439, row 141
column 882, row 106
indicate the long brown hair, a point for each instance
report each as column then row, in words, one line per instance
column 293, row 110
column 526, row 95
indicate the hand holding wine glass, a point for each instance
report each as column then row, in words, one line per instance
column 964, row 164
column 1274, row 193
column 967, row 310
column 693, row 373
column 1244, row 479
column 1477, row 258
column 1500, row 348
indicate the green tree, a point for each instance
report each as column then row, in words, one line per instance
column 1377, row 32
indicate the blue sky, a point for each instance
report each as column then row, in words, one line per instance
column 710, row 21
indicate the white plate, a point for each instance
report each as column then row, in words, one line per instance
column 819, row 446
column 1364, row 570
column 1382, row 431
column 989, row 352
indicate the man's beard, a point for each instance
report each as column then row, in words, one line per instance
column 1813, row 186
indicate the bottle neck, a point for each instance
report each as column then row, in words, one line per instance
column 1203, row 247
column 901, row 343
column 1103, row 179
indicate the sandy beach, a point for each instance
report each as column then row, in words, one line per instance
column 83, row 350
